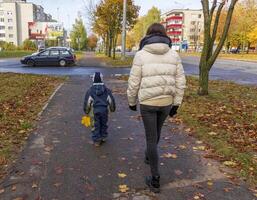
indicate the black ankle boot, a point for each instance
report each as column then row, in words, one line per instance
column 147, row 161
column 153, row 182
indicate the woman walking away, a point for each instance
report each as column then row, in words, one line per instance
column 157, row 79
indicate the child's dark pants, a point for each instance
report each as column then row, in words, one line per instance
column 100, row 129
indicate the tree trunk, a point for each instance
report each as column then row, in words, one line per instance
column 110, row 47
column 203, row 79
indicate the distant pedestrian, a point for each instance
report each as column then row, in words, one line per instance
column 157, row 79
column 99, row 100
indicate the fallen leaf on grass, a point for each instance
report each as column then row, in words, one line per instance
column 200, row 148
column 169, row 155
column 122, row 175
column 123, row 188
column 230, row 163
column 212, row 134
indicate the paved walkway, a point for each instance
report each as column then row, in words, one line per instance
column 60, row 163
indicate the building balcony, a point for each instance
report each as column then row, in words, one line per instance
column 174, row 18
column 174, row 26
column 174, row 32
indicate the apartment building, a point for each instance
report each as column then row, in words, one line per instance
column 14, row 18
column 185, row 28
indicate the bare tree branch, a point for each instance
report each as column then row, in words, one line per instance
column 216, row 23
column 214, row 5
column 224, row 34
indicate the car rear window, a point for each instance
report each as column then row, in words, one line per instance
column 64, row 53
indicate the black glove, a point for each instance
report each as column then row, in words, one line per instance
column 173, row 111
column 133, row 108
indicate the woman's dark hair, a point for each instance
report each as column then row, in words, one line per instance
column 156, row 28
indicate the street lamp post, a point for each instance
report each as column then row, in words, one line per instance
column 124, row 29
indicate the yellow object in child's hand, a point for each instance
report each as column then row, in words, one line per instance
column 86, row 121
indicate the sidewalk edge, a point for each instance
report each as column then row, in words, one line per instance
column 49, row 99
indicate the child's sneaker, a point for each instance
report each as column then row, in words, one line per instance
column 97, row 144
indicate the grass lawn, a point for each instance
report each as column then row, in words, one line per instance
column 22, row 98
column 117, row 62
column 241, row 56
column 14, row 54
column 227, row 121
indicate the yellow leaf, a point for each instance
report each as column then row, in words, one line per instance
column 169, row 155
column 200, row 148
column 1, row 191
column 122, row 175
column 209, row 183
column 182, row 147
column 34, row 185
column 230, row 163
column 196, row 197
column 212, row 133
column 123, row 188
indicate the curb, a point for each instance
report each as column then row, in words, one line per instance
column 50, row 98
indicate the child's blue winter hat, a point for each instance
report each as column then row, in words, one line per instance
column 98, row 77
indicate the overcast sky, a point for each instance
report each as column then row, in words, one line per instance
column 67, row 10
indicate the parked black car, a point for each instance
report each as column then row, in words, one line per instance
column 57, row 56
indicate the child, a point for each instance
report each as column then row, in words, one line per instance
column 100, row 99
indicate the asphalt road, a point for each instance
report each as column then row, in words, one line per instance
column 238, row 71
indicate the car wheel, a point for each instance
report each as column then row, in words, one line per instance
column 62, row 63
column 31, row 63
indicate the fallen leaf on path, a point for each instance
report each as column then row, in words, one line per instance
column 230, row 163
column 182, row 146
column 13, row 188
column 123, row 188
column 209, row 183
column 100, row 176
column 57, row 184
column 169, row 155
column 199, row 142
column 18, row 198
column 34, row 185
column 178, row 172
column 1, row 191
column 122, row 175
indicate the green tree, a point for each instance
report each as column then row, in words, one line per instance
column 78, row 35
column 152, row 16
column 211, row 23
column 29, row 45
column 108, row 21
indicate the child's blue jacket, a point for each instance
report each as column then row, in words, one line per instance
column 99, row 97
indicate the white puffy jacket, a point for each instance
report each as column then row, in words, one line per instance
column 157, row 77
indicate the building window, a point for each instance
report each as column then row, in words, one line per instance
column 10, row 20
column 2, row 27
column 1, row 12
column 10, row 28
column 199, row 16
column 10, row 35
column 1, row 19
column 193, row 22
column 2, row 35
column 9, row 12
column 192, row 30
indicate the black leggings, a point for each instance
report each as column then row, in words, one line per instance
column 153, row 118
